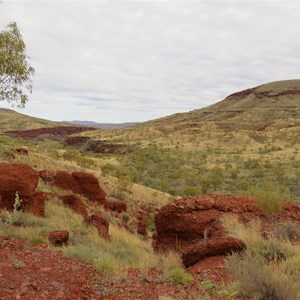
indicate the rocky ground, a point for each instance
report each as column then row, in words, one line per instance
column 29, row 272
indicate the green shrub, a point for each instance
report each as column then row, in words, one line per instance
column 177, row 275
column 105, row 265
column 259, row 281
column 269, row 197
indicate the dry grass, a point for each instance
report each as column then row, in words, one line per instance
column 269, row 268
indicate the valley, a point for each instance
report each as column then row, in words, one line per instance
column 227, row 174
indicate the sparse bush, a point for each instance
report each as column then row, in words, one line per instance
column 259, row 280
column 269, row 197
column 266, row 269
column 177, row 275
column 105, row 265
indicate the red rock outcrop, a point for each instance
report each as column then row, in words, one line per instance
column 192, row 225
column 120, row 206
column 19, row 151
column 59, row 237
column 76, row 140
column 100, row 223
column 78, row 182
column 211, row 247
column 24, row 180
column 58, row 130
column 75, row 203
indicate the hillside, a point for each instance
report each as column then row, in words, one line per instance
column 269, row 113
column 11, row 120
column 272, row 105
column 101, row 125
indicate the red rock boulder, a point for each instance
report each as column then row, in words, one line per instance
column 211, row 247
column 59, row 237
column 192, row 225
column 75, row 203
column 81, row 183
column 118, row 206
column 24, row 180
column 100, row 223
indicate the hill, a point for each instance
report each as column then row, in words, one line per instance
column 272, row 105
column 101, row 125
column 255, row 116
column 11, row 120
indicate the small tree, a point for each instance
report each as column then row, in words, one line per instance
column 15, row 70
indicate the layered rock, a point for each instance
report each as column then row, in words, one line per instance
column 193, row 227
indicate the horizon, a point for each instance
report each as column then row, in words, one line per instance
column 119, row 62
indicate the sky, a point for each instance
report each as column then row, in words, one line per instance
column 133, row 61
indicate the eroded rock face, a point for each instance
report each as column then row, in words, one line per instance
column 82, row 183
column 100, row 223
column 24, row 180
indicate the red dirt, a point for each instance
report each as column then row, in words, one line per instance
column 59, row 130
column 76, row 140
column 30, row 272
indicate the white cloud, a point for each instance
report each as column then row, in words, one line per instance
column 117, row 61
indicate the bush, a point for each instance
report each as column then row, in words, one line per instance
column 105, row 265
column 177, row 275
column 266, row 270
column 269, row 197
column 258, row 280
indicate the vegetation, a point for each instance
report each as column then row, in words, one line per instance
column 269, row 267
column 15, row 70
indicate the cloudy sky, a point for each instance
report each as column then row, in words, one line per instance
column 122, row 61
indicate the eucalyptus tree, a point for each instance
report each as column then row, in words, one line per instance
column 15, row 69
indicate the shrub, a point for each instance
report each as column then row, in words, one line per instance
column 105, row 265
column 259, row 280
column 269, row 197
column 177, row 275
column 266, row 270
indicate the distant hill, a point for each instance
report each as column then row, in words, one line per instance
column 275, row 104
column 102, row 125
column 256, row 115
column 11, row 120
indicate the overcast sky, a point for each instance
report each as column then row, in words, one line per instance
column 122, row 61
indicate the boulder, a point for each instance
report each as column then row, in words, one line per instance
column 59, row 237
column 211, row 247
column 192, row 225
column 100, row 223
column 119, row 206
column 23, row 150
column 75, row 203
column 81, row 183
column 24, row 180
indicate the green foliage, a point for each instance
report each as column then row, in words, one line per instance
column 177, row 275
column 266, row 269
column 15, row 70
column 269, row 197
column 259, row 280
column 12, row 217
column 105, row 265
